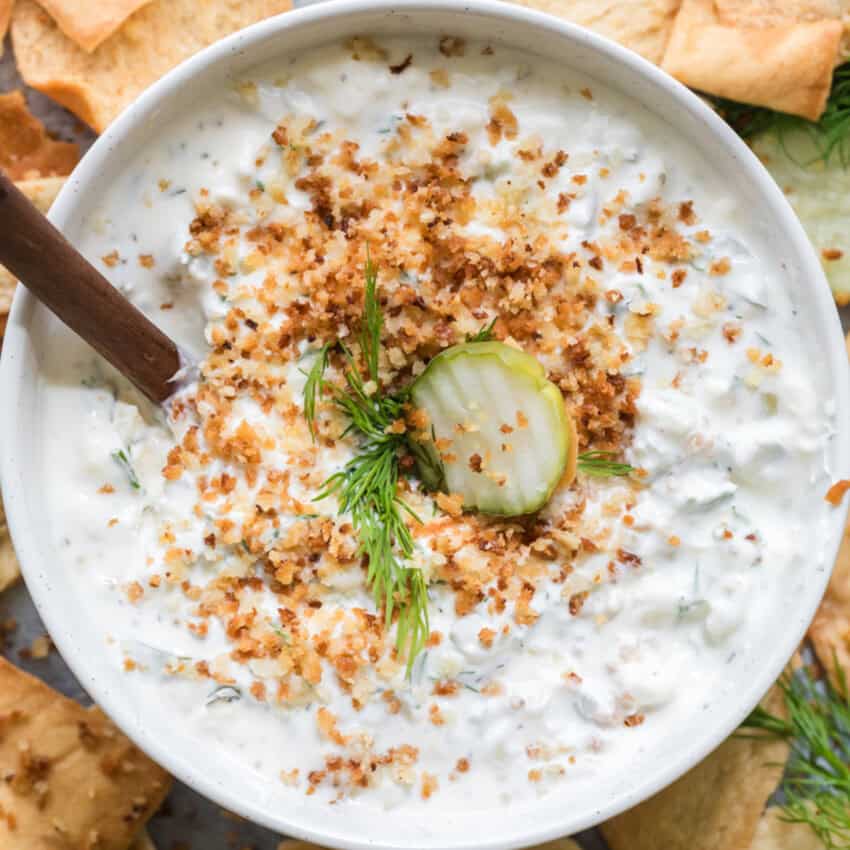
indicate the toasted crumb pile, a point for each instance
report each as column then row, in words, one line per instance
column 452, row 257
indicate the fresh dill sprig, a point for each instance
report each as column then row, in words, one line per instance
column 367, row 486
column 603, row 465
column 816, row 784
column 830, row 134
column 373, row 320
column 483, row 335
column 313, row 386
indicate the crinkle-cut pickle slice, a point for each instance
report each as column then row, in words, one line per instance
column 500, row 432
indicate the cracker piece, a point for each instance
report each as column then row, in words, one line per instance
column 71, row 778
column 717, row 805
column 143, row 842
column 830, row 629
column 42, row 191
column 89, row 24
column 641, row 25
column 9, row 570
column 97, row 86
column 783, row 60
column 762, row 14
column 26, row 151
column 774, row 833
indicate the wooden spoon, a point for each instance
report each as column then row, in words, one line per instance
column 42, row 259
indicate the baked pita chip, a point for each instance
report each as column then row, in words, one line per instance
column 5, row 17
column 641, row 25
column 42, row 192
column 143, row 842
column 786, row 65
column 830, row 630
column 717, row 805
column 88, row 24
column 774, row 833
column 9, row 569
column 762, row 14
column 97, row 86
column 76, row 781
column 26, row 151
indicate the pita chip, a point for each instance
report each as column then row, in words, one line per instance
column 26, row 151
column 42, row 191
column 88, row 24
column 716, row 806
column 774, row 833
column 5, row 17
column 97, row 86
column 641, row 25
column 76, row 781
column 9, row 569
column 830, row 629
column 143, row 842
column 774, row 53
column 761, row 14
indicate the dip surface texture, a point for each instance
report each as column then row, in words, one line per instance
column 487, row 187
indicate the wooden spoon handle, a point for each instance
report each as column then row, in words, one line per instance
column 37, row 254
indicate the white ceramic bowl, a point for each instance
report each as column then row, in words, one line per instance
column 79, row 640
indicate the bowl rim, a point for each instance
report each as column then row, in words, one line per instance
column 23, row 532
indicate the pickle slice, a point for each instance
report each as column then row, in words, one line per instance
column 499, row 432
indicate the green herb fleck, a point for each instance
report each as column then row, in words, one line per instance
column 603, row 465
column 373, row 320
column 120, row 457
column 484, row 335
column 314, row 385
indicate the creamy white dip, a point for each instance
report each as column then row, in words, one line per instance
column 684, row 571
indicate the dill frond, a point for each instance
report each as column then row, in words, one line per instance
column 816, row 784
column 483, row 335
column 313, row 387
column 603, row 465
column 830, row 134
column 367, row 486
column 373, row 320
